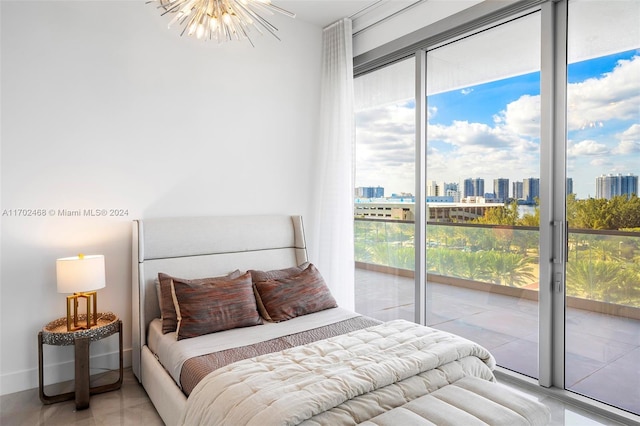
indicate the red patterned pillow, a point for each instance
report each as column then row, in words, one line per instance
column 275, row 274
column 218, row 305
column 167, row 308
column 290, row 297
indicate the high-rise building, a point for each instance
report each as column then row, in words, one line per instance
column 451, row 190
column 530, row 189
column 517, row 191
column 369, row 192
column 609, row 186
column 569, row 186
column 474, row 187
column 501, row 189
column 433, row 189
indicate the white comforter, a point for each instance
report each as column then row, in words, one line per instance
column 346, row 379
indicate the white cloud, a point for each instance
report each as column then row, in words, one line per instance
column 432, row 112
column 478, row 149
column 600, row 162
column 522, row 116
column 385, row 152
column 591, row 103
column 470, row 135
column 629, row 141
column 614, row 95
column 586, row 147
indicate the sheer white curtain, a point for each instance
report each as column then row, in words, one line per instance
column 333, row 237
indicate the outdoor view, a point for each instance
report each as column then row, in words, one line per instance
column 483, row 204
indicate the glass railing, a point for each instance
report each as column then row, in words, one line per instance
column 602, row 266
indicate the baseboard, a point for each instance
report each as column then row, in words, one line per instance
column 59, row 372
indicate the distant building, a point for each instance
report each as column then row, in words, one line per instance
column 439, row 199
column 384, row 210
column 436, row 211
column 569, row 186
column 369, row 192
column 452, row 190
column 517, row 191
column 403, row 197
column 473, row 187
column 501, row 189
column 530, row 190
column 609, row 186
column 456, row 212
column 433, row 189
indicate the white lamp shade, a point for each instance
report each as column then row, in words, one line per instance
column 80, row 273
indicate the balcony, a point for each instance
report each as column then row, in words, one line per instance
column 496, row 304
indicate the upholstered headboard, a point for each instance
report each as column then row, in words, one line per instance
column 197, row 247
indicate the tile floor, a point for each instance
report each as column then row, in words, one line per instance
column 131, row 406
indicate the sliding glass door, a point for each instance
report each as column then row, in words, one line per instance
column 482, row 190
column 384, row 203
column 602, row 340
column 487, row 147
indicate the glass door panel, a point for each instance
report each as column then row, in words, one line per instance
column 602, row 319
column 383, row 198
column 483, row 156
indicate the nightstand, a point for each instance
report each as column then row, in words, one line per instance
column 55, row 333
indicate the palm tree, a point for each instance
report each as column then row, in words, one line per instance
column 442, row 261
column 606, row 249
column 362, row 252
column 625, row 289
column 509, row 269
column 472, row 266
column 590, row 279
column 393, row 255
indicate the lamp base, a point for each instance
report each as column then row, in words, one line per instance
column 92, row 314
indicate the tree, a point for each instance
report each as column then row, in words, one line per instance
column 591, row 279
column 393, row 255
column 531, row 219
column 442, row 261
column 509, row 268
column 472, row 266
column 619, row 212
column 506, row 214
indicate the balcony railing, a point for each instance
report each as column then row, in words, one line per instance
column 602, row 270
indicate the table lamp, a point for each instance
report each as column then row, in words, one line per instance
column 81, row 275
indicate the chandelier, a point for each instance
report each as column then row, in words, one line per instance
column 221, row 20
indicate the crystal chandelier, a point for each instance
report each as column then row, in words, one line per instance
column 221, row 20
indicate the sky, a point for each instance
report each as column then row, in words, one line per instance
column 491, row 130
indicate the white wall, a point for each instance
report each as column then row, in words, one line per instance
column 104, row 108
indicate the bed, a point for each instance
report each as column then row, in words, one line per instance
column 276, row 348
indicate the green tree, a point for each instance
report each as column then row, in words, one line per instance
column 506, row 214
column 393, row 255
column 442, row 261
column 361, row 252
column 619, row 212
column 625, row 289
column 590, row 279
column 531, row 219
column 509, row 269
column 472, row 266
